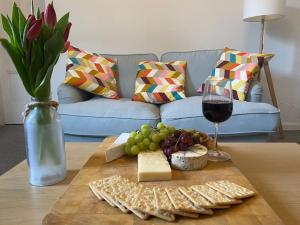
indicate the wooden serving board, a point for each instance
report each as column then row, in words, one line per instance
column 78, row 206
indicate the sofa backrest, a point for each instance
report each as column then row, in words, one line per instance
column 127, row 66
column 199, row 65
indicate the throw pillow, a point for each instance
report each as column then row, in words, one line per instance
column 239, row 57
column 240, row 68
column 92, row 72
column 160, row 82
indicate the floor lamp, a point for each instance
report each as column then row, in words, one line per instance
column 262, row 11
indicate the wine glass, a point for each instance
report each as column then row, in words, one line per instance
column 217, row 108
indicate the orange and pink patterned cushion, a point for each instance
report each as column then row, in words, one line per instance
column 238, row 67
column 160, row 82
column 92, row 73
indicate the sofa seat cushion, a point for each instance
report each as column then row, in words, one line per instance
column 247, row 117
column 103, row 117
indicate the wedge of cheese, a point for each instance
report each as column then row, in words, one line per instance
column 116, row 150
column 153, row 166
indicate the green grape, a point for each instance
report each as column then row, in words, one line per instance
column 135, row 150
column 155, row 138
column 141, row 146
column 132, row 134
column 146, row 141
column 165, row 130
column 162, row 136
column 127, row 149
column 153, row 146
column 145, row 126
column 146, row 132
column 171, row 129
column 138, row 138
column 160, row 125
column 131, row 140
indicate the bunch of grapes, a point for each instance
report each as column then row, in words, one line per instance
column 181, row 140
column 147, row 138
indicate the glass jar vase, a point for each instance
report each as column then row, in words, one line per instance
column 44, row 143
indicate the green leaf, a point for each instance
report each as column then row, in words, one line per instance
column 17, row 60
column 25, row 33
column 43, row 91
column 32, row 8
column 16, row 27
column 38, row 14
column 52, row 50
column 15, row 15
column 46, row 33
column 12, row 29
column 22, row 24
column 62, row 23
column 7, row 28
column 36, row 61
column 53, row 47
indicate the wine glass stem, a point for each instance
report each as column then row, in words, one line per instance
column 216, row 135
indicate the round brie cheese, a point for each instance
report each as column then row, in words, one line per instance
column 194, row 158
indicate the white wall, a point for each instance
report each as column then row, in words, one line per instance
column 135, row 26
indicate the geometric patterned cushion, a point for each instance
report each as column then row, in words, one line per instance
column 239, row 57
column 160, row 82
column 239, row 74
column 240, row 68
column 92, row 72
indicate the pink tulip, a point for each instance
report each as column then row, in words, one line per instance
column 67, row 31
column 50, row 16
column 31, row 19
column 34, row 30
column 67, row 46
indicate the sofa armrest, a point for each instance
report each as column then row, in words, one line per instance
column 255, row 92
column 68, row 94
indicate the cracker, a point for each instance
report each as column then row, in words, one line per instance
column 214, row 196
column 198, row 200
column 163, row 203
column 111, row 190
column 145, row 202
column 180, row 202
column 231, row 189
column 128, row 196
column 96, row 183
column 94, row 188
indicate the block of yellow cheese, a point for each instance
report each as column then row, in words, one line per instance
column 153, row 166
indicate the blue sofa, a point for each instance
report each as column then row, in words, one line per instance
column 88, row 117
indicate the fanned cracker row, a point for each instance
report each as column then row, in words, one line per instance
column 145, row 202
column 214, row 196
column 231, row 189
column 198, row 200
column 180, row 202
column 165, row 203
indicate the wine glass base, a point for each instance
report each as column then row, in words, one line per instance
column 218, row 156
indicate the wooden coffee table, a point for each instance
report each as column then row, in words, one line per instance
column 273, row 169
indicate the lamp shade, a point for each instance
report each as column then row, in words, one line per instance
column 256, row 10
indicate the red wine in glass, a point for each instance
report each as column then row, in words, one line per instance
column 217, row 111
column 217, row 107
